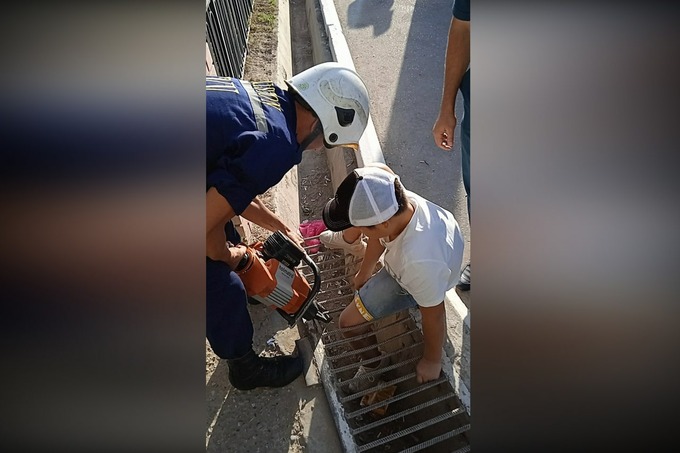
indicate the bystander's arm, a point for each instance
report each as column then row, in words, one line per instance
column 457, row 62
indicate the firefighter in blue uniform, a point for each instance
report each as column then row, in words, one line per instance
column 256, row 133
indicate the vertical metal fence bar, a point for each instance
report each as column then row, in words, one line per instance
column 217, row 40
column 227, row 27
column 233, row 45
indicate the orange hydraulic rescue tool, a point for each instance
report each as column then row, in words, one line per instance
column 268, row 272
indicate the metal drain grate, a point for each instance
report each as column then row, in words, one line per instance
column 419, row 417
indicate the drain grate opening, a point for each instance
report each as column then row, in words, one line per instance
column 418, row 417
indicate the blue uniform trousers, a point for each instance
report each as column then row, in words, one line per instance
column 229, row 328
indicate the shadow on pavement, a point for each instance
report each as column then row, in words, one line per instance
column 367, row 13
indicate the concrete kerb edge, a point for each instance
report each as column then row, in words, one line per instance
column 370, row 151
column 337, row 167
column 337, row 412
column 369, row 146
column 286, row 192
column 458, row 335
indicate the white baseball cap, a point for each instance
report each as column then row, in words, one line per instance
column 366, row 197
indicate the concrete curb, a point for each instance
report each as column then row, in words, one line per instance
column 457, row 358
column 369, row 146
column 286, row 201
column 286, row 196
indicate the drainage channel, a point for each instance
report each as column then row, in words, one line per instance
column 425, row 417
column 418, row 417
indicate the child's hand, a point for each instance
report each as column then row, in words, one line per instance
column 360, row 280
column 427, row 370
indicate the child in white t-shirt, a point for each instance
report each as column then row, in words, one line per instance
column 423, row 253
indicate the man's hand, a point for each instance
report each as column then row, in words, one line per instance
column 236, row 253
column 258, row 213
column 427, row 370
column 295, row 236
column 442, row 132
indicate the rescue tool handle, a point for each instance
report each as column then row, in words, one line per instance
column 310, row 296
column 284, row 250
column 309, row 309
column 317, row 278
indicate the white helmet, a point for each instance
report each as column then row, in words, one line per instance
column 338, row 97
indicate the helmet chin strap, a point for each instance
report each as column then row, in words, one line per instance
column 318, row 129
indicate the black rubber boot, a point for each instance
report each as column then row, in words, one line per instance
column 251, row 371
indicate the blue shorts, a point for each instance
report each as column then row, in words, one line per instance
column 381, row 296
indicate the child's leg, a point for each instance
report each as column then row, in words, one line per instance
column 379, row 297
column 351, row 317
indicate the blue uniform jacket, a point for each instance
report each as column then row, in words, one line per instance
column 250, row 142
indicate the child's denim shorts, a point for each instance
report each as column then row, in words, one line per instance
column 381, row 295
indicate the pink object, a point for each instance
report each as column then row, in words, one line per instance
column 310, row 229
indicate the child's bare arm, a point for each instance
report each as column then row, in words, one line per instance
column 373, row 251
column 434, row 330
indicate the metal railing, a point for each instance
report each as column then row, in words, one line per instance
column 227, row 23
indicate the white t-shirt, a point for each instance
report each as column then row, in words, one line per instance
column 427, row 256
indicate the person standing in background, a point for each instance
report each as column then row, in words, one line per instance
column 457, row 78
